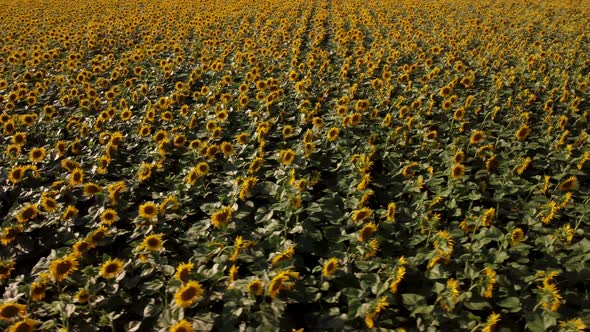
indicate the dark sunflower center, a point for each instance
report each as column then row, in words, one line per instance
column 112, row 268
column 9, row 311
column 188, row 294
column 63, row 268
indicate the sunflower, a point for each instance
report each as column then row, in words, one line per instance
column 221, row 217
column 183, row 271
column 516, row 236
column 367, row 231
column 111, row 268
column 362, row 214
column 570, row 184
column 255, row 287
column 202, row 168
column 109, row 216
column 188, row 294
column 76, row 177
column 182, row 326
column 38, row 291
column 287, row 131
column 49, row 204
column 145, row 131
column 97, row 235
column 90, row 189
column 459, row 157
column 148, row 210
column 227, row 149
column 71, row 211
column 333, row 134
column 80, row 247
column 17, row 174
column 457, row 171
column 445, row 91
column 330, row 267
column 152, row 242
column 523, row 132
column 286, row 157
column 10, row 310
column 28, row 212
column 61, row 268
column 255, row 165
column 391, row 207
column 9, row 234
column 82, row 296
column 26, row 325
column 19, row 138
column 361, row 105
column 13, row 150
column 477, row 137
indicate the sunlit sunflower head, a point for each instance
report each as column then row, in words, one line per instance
column 19, row 138
column 76, row 177
column 90, row 189
column 287, row 131
column 61, row 268
column 459, row 157
column 222, row 217
column 188, row 294
column 11, row 310
column 148, row 210
column 242, row 138
column 17, row 174
column 109, row 216
column 333, row 134
column 82, row 296
column 49, row 204
column 182, row 326
column 153, row 242
column 256, row 287
column 183, row 271
column 25, row 325
column 27, row 212
column 286, row 157
column 202, row 168
column 37, row 154
column 362, row 214
column 457, row 171
column 227, row 149
column 477, row 137
column 330, row 267
column 111, row 268
column 367, row 231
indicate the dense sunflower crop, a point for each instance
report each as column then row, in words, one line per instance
column 294, row 165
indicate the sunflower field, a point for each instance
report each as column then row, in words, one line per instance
column 306, row 165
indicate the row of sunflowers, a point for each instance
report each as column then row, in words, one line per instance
column 301, row 165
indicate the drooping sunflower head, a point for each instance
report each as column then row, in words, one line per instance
column 367, row 232
column 330, row 267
